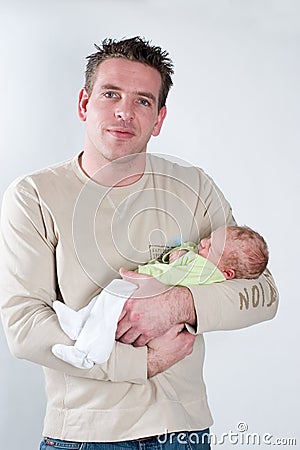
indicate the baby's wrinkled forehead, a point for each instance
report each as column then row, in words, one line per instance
column 220, row 234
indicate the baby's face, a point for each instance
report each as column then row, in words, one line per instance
column 213, row 246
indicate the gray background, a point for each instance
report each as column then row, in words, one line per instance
column 234, row 110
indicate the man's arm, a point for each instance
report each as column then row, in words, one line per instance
column 228, row 305
column 166, row 350
column 28, row 288
column 153, row 310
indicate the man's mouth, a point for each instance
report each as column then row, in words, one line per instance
column 121, row 133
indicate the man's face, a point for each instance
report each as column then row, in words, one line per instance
column 121, row 112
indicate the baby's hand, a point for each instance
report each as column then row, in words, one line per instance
column 175, row 254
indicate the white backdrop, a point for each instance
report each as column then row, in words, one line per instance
column 234, row 110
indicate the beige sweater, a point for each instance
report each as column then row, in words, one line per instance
column 64, row 236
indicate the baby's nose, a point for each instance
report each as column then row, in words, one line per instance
column 203, row 242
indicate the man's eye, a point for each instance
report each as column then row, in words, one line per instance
column 110, row 94
column 144, row 102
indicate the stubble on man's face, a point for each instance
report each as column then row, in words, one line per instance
column 122, row 110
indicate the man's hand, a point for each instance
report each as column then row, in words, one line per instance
column 153, row 310
column 166, row 350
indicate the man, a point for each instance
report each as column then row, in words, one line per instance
column 67, row 230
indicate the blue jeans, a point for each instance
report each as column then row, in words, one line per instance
column 193, row 440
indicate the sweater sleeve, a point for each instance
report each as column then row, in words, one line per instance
column 28, row 285
column 235, row 303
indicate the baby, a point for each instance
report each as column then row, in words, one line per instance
column 229, row 252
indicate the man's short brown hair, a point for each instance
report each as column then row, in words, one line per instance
column 134, row 49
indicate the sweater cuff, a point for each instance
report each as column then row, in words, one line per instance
column 207, row 311
column 128, row 363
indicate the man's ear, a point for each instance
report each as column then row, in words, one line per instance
column 228, row 273
column 82, row 104
column 159, row 121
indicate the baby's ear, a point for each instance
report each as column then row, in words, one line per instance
column 229, row 273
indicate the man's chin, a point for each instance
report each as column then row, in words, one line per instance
column 125, row 158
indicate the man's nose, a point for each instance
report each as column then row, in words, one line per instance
column 125, row 110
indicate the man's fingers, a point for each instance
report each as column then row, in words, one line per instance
column 141, row 341
column 187, row 340
column 130, row 337
column 131, row 275
column 148, row 286
column 175, row 330
column 171, row 334
column 123, row 314
column 123, row 327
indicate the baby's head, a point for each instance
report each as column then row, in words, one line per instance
column 239, row 252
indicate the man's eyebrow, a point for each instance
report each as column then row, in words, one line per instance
column 148, row 95
column 111, row 86
column 141, row 93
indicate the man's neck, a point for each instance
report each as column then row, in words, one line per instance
column 118, row 173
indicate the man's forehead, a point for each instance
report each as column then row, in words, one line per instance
column 125, row 70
